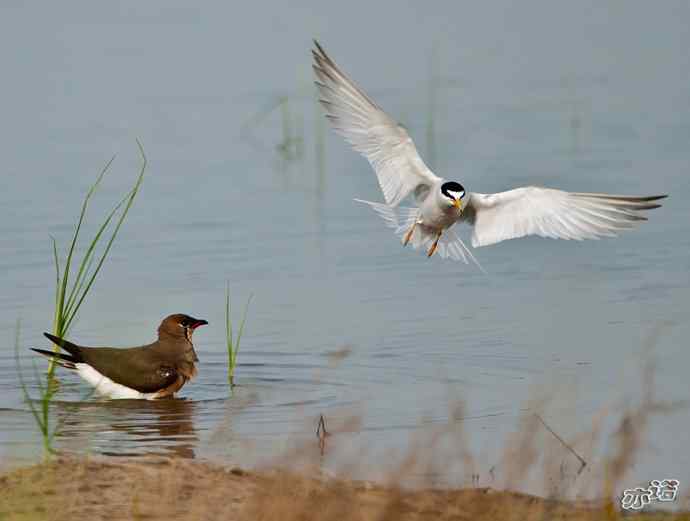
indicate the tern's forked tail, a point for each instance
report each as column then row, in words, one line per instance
column 401, row 219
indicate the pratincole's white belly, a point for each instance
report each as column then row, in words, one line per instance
column 106, row 387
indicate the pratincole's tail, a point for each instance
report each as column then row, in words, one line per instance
column 68, row 346
column 67, row 361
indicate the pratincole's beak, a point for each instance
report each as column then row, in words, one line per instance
column 199, row 322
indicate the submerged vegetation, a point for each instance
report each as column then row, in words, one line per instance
column 277, row 131
column 232, row 342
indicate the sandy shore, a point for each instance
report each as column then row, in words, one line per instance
column 158, row 488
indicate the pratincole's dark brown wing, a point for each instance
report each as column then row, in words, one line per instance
column 139, row 368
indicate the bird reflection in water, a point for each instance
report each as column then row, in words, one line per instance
column 128, row 427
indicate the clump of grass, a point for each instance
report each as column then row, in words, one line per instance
column 70, row 297
column 233, row 344
column 72, row 285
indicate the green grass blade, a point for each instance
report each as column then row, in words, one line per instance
column 46, row 395
column 240, row 331
column 57, row 267
column 228, row 335
column 56, row 261
column 80, row 281
column 22, row 382
column 87, row 262
column 233, row 344
column 129, row 198
column 68, row 264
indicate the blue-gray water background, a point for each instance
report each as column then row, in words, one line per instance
column 586, row 96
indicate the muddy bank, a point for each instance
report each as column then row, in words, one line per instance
column 163, row 488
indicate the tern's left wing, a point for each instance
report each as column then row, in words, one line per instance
column 553, row 213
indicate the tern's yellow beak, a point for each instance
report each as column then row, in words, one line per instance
column 457, row 203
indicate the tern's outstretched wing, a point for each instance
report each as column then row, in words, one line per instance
column 553, row 213
column 370, row 131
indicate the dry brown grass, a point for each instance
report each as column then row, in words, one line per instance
column 153, row 489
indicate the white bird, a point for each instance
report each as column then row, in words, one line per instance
column 529, row 210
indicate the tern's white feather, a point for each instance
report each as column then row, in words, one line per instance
column 552, row 213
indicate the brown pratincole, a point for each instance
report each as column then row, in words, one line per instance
column 156, row 370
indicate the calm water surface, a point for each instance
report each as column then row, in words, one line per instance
column 244, row 189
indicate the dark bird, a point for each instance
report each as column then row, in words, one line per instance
column 156, row 370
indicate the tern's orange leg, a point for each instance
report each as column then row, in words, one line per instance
column 433, row 246
column 408, row 235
